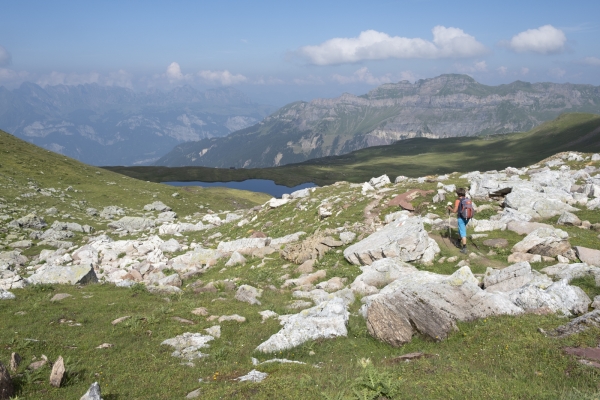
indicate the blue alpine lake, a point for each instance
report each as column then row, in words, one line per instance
column 254, row 185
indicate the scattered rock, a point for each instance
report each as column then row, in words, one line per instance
column 60, row 296
column 407, row 240
column 524, row 227
column 588, row 256
column 194, row 394
column 568, row 218
column 120, row 319
column 201, row 311
column 248, row 294
column 578, row 325
column 15, row 361
column 235, row 259
column 214, row 331
column 188, row 345
column 56, row 274
column 544, row 241
column 157, row 206
column 93, row 393
column 496, row 243
column 507, row 279
column 6, row 295
column 234, row 317
column 105, row 346
column 58, row 371
column 253, row 376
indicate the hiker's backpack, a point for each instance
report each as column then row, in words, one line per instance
column 465, row 209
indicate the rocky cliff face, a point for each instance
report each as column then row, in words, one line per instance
column 116, row 126
column 446, row 106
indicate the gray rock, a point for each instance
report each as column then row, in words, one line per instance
column 111, row 212
column 67, row 226
column 300, row 194
column 431, row 309
column 194, row 394
column 163, row 289
column 60, row 296
column 6, row 385
column 578, row 325
column 170, row 246
column 188, row 345
column 347, row 237
column 253, row 376
column 588, row 256
column 408, row 240
column 571, row 271
column 11, row 259
column 544, row 241
column 235, row 259
column 496, row 243
column 93, row 393
column 73, row 275
column 166, row 216
column 248, row 294
column 243, row 246
column 326, row 320
column 558, row 297
column 51, row 211
column 15, row 361
column 92, row 212
column 507, row 279
column 379, row 181
column 56, row 235
column 21, row 244
column 58, row 372
column 6, row 295
column 379, row 274
column 29, row 221
column 157, row 206
column 524, row 227
column 568, row 218
column 131, row 224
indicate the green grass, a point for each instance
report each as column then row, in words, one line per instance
column 412, row 157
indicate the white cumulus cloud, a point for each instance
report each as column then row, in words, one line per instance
column 174, row 72
column 223, row 77
column 502, row 70
column 595, row 61
column 374, row 45
column 543, row 40
column 4, row 57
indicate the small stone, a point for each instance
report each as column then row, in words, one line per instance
column 193, row 394
column 253, row 376
column 121, row 319
column 93, row 393
column 214, row 331
column 58, row 371
column 201, row 311
column 105, row 346
column 60, row 296
column 15, row 361
column 306, row 267
column 233, row 317
column 496, row 243
column 183, row 320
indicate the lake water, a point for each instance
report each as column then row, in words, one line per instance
column 254, row 185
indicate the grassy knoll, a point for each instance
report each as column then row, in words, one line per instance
column 412, row 157
column 24, row 169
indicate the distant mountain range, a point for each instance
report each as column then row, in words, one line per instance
column 103, row 125
column 445, row 106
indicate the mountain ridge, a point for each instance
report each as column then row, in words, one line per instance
column 446, row 106
column 105, row 125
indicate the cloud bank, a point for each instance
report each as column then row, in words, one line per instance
column 543, row 40
column 373, row 45
column 223, row 77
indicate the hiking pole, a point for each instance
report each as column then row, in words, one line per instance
column 449, row 232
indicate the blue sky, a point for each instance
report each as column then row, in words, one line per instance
column 280, row 51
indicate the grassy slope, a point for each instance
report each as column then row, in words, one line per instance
column 413, row 157
column 22, row 164
column 501, row 358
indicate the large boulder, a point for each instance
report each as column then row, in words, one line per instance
column 379, row 274
column 509, row 278
column 406, row 239
column 56, row 274
column 525, row 227
column 248, row 294
column 157, row 206
column 29, row 221
column 548, row 242
column 243, row 246
column 588, row 256
column 431, row 308
column 572, row 271
column 558, row 297
column 324, row 321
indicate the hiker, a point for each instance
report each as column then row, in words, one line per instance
column 463, row 207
